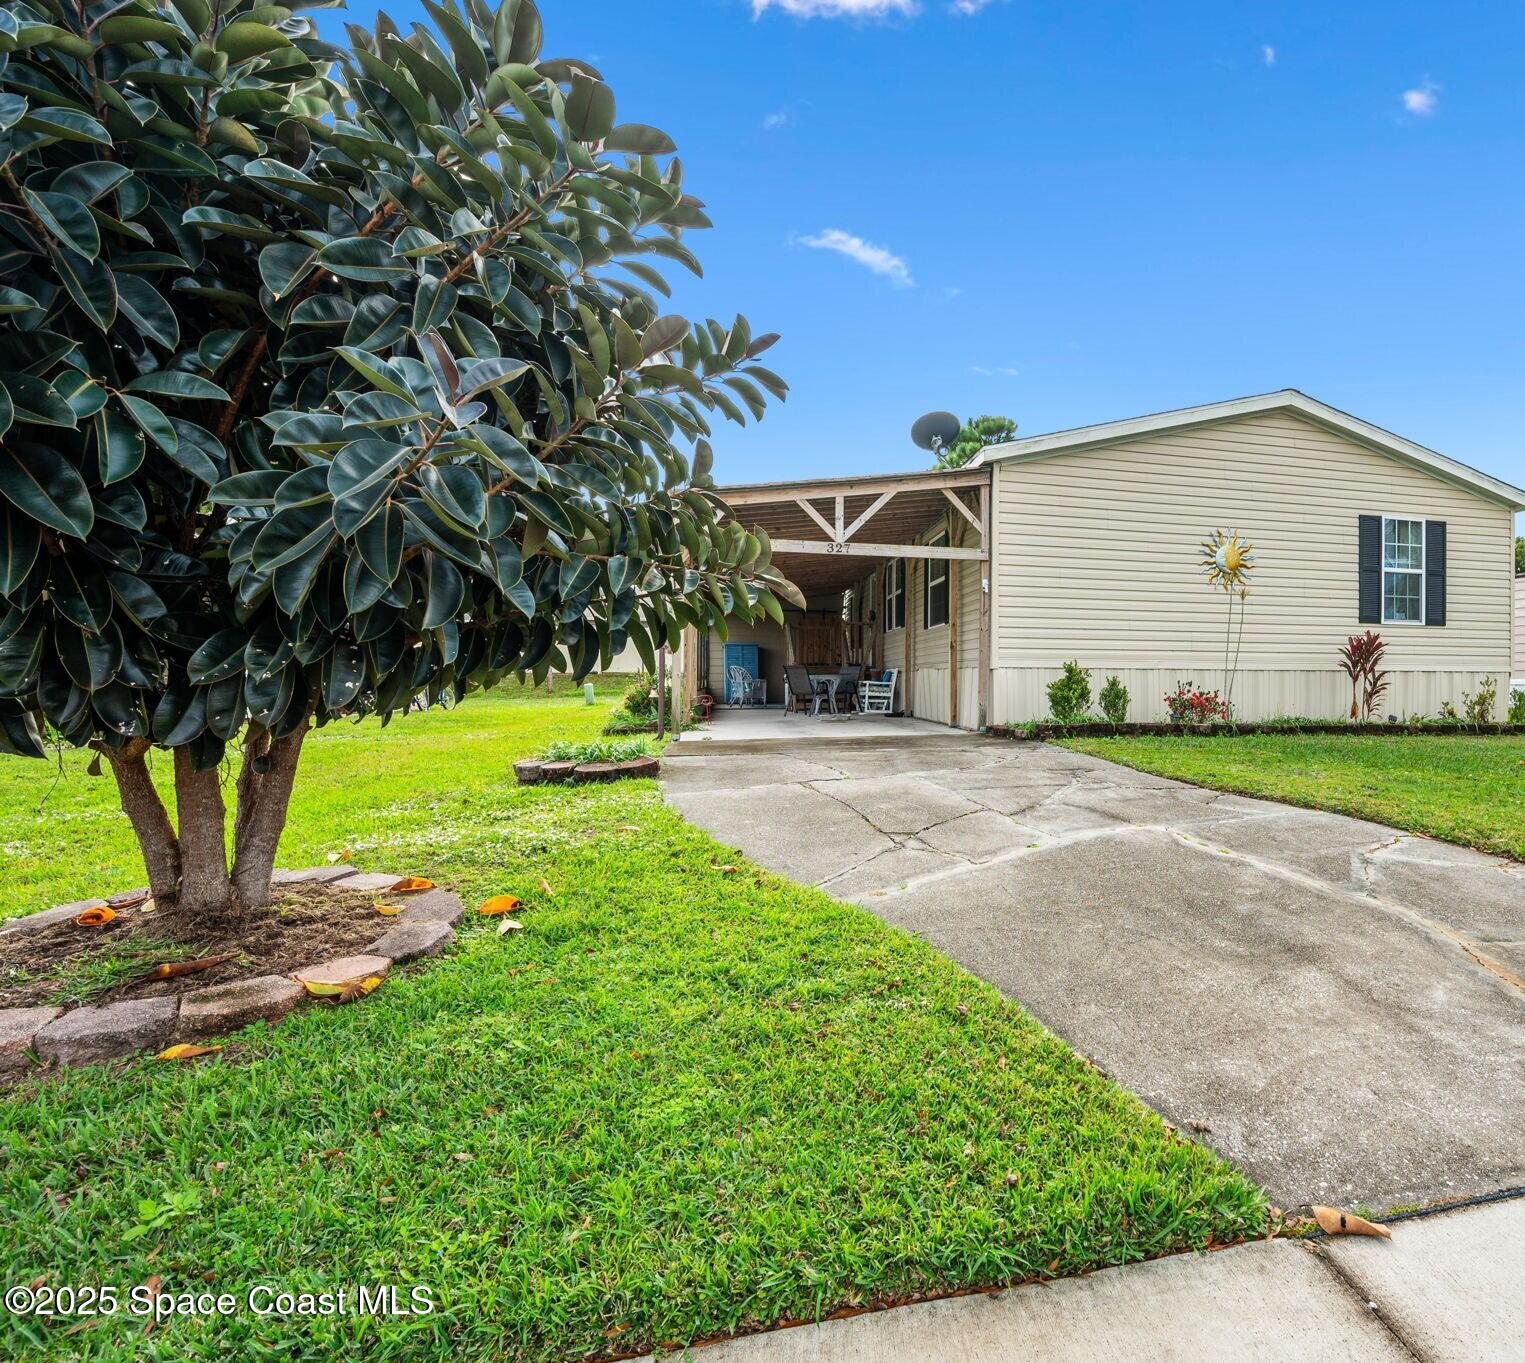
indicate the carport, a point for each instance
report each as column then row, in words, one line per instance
column 868, row 553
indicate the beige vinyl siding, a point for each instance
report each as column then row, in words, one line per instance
column 930, row 693
column 1097, row 560
column 1518, row 669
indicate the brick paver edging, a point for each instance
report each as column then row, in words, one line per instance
column 535, row 772
column 110, row 1031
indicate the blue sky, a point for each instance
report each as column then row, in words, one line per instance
column 1073, row 213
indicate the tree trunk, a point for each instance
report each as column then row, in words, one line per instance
column 263, row 798
column 149, row 819
column 189, row 869
column 205, row 886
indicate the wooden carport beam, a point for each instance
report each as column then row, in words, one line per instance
column 819, row 519
column 964, row 511
column 754, row 494
column 856, row 548
column 873, row 509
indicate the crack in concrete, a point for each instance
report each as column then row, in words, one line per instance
column 1366, row 898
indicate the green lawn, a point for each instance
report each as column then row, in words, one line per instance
column 684, row 1100
column 1469, row 790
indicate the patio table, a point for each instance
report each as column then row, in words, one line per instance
column 829, row 681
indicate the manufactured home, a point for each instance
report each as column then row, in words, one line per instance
column 975, row 585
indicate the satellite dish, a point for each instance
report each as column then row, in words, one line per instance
column 935, row 429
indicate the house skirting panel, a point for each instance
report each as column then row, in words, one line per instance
column 1018, row 694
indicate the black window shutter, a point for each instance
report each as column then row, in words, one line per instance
column 1434, row 572
column 1369, row 570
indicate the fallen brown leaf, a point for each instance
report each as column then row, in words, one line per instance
column 509, row 925
column 345, row 855
column 95, row 918
column 358, row 989
column 171, row 970
column 185, row 1051
column 1333, row 1221
column 342, row 991
column 499, row 903
column 412, row 885
column 388, row 910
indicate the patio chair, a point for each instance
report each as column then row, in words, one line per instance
column 741, row 686
column 846, row 686
column 878, row 697
column 803, row 694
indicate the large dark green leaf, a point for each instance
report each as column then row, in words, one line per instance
column 590, row 109
column 90, row 284
column 221, row 656
column 152, row 422
column 176, row 383
column 19, row 542
column 37, row 402
column 67, row 219
column 144, row 306
column 444, row 590
column 47, row 488
column 364, row 258
column 119, row 446
column 639, row 139
column 455, row 493
column 380, row 542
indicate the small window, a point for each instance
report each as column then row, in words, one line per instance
column 1402, row 571
column 894, row 595
column 937, row 586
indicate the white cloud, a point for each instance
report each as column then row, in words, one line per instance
column 1268, row 54
column 1005, row 371
column 876, row 258
column 1423, row 99
column 951, row 291
column 836, row 9
column 779, row 118
column 969, row 6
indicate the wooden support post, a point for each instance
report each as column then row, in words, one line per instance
column 662, row 692
column 955, row 534
column 910, row 636
column 985, row 585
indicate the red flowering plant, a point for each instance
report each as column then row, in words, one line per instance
column 1190, row 705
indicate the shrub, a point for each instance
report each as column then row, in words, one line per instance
column 1190, row 705
column 1478, row 709
column 1114, row 701
column 1517, row 707
column 1069, row 694
column 1361, row 660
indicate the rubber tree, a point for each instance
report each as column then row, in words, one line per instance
column 333, row 382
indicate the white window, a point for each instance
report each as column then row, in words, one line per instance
column 1402, row 571
column 936, row 611
column 894, row 595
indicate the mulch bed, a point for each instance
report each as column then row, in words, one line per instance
column 303, row 923
column 1045, row 730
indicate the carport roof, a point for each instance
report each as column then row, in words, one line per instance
column 860, row 514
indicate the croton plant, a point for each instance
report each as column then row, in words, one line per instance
column 333, row 382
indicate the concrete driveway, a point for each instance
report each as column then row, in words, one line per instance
column 1339, row 1004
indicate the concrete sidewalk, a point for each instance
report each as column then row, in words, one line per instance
column 1445, row 1287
